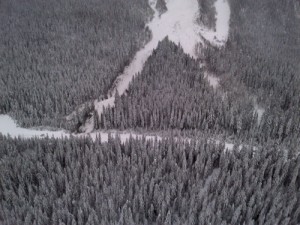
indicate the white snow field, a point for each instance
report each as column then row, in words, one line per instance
column 9, row 127
column 178, row 23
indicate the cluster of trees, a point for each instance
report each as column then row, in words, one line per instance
column 56, row 55
column 78, row 181
column 262, row 57
column 172, row 93
column 207, row 14
column 161, row 6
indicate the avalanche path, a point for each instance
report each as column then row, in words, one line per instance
column 179, row 24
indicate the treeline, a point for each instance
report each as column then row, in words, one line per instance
column 78, row 181
column 262, row 56
column 172, row 93
column 56, row 55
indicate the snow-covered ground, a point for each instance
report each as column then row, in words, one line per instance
column 260, row 112
column 220, row 36
column 9, row 127
column 178, row 23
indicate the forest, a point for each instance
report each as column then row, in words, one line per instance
column 56, row 55
column 59, row 55
column 80, row 181
column 261, row 59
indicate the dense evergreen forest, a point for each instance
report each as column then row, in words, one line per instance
column 58, row 54
column 172, row 93
column 80, row 181
column 261, row 59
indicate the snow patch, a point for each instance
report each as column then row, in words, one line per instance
column 220, row 36
column 260, row 112
column 212, row 80
column 9, row 127
column 179, row 24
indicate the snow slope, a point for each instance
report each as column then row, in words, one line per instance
column 178, row 23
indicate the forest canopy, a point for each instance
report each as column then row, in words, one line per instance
column 80, row 181
column 58, row 54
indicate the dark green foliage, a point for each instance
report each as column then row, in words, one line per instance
column 58, row 54
column 79, row 181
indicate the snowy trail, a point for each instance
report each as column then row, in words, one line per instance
column 178, row 23
column 9, row 127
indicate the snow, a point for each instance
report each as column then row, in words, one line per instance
column 179, row 24
column 9, row 127
column 220, row 36
column 213, row 80
column 124, row 136
column 260, row 112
